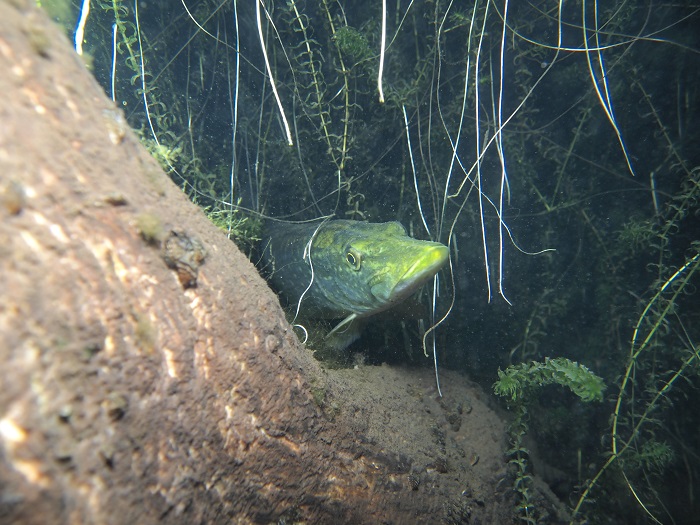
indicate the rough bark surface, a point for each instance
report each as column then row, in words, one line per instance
column 130, row 394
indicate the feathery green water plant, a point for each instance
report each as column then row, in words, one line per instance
column 520, row 384
column 244, row 230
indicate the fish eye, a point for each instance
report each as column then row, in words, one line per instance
column 353, row 260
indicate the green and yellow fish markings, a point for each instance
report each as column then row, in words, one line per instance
column 347, row 269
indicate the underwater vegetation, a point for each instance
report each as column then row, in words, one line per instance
column 553, row 147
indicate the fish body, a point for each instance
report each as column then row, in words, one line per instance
column 347, row 269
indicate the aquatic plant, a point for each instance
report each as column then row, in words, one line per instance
column 241, row 228
column 518, row 381
column 520, row 384
column 643, row 391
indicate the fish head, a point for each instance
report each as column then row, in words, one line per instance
column 364, row 268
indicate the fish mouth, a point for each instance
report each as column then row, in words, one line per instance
column 425, row 267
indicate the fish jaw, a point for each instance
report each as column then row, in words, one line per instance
column 429, row 260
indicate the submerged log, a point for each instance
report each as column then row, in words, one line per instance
column 148, row 373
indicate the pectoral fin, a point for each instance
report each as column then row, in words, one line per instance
column 344, row 323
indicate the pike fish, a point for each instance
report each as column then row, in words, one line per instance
column 344, row 269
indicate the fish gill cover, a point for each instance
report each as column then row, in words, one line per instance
column 501, row 129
